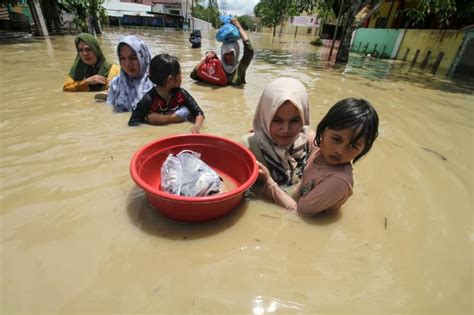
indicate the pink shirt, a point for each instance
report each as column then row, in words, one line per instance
column 323, row 187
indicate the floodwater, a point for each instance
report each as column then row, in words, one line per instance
column 78, row 236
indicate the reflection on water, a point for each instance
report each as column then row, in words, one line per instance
column 367, row 67
column 394, row 70
column 262, row 305
column 77, row 235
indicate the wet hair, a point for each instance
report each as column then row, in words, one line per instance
column 161, row 66
column 356, row 114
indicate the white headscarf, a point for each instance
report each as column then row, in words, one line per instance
column 125, row 92
column 282, row 162
column 226, row 48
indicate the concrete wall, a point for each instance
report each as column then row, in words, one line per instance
column 378, row 40
column 384, row 16
column 387, row 13
column 463, row 65
column 424, row 48
column 291, row 29
column 200, row 24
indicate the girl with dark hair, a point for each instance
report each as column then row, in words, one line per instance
column 167, row 102
column 90, row 70
column 343, row 136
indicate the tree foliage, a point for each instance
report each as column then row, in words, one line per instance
column 246, row 22
column 346, row 10
column 209, row 14
column 308, row 6
column 82, row 9
column 7, row 2
column 446, row 12
column 273, row 12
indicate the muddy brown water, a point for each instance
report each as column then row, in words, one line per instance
column 78, row 236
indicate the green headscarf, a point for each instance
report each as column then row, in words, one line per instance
column 79, row 70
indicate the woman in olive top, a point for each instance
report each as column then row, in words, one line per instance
column 90, row 70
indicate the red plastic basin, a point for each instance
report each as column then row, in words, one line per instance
column 231, row 160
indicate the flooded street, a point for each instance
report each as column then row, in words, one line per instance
column 78, row 236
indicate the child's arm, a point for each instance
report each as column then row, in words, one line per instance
column 163, row 119
column 328, row 195
column 272, row 191
column 196, row 128
column 195, row 110
column 139, row 114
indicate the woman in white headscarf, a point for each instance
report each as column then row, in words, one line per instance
column 234, row 67
column 282, row 138
column 127, row 89
column 229, row 55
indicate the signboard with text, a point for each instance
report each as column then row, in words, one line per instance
column 308, row 21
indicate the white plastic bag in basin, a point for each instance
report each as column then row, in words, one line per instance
column 185, row 174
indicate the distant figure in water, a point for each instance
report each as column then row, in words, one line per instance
column 128, row 88
column 90, row 70
column 195, row 39
column 167, row 102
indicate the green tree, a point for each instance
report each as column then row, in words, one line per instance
column 209, row 14
column 52, row 15
column 273, row 12
column 346, row 11
column 447, row 13
column 246, row 22
column 7, row 2
column 50, row 10
column 84, row 10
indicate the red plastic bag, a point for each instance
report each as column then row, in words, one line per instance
column 212, row 71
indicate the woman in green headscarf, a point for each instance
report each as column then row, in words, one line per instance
column 90, row 70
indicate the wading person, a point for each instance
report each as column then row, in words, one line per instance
column 343, row 136
column 128, row 88
column 281, row 137
column 234, row 69
column 90, row 70
column 167, row 102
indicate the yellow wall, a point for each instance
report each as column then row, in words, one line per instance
column 382, row 12
column 385, row 9
column 290, row 30
column 436, row 41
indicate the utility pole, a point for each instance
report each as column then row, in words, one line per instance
column 38, row 17
column 224, row 6
column 192, row 9
column 336, row 29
